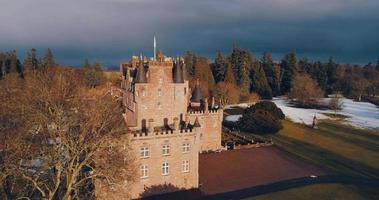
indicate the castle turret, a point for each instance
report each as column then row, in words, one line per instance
column 141, row 73
column 177, row 72
column 196, row 96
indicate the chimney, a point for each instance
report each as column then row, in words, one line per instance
column 176, row 123
column 151, row 125
column 213, row 102
column 206, row 105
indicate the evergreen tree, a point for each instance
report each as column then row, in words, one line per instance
column 289, row 69
column 93, row 74
column 321, row 75
column 229, row 76
column 271, row 73
column 377, row 65
column 2, row 65
column 49, row 61
column 31, row 62
column 189, row 60
column 241, row 61
column 305, row 66
column 219, row 67
column 12, row 59
column 331, row 71
column 259, row 82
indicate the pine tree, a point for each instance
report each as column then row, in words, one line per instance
column 331, row 70
column 229, row 76
column 220, row 67
column 189, row 60
column 271, row 73
column 2, row 65
column 31, row 62
column 241, row 61
column 259, row 82
column 321, row 75
column 289, row 69
column 12, row 67
column 49, row 61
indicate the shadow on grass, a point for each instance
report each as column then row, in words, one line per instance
column 324, row 158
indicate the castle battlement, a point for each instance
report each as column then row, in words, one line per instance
column 201, row 112
column 146, row 134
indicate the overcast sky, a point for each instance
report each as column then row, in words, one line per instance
column 112, row 30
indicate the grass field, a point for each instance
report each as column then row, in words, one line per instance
column 338, row 148
column 322, row 191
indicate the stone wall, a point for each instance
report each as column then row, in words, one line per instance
column 176, row 179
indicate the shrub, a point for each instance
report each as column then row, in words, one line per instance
column 263, row 117
column 260, row 121
column 270, row 107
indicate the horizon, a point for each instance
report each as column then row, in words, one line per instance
column 112, row 31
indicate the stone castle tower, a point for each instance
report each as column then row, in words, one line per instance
column 169, row 123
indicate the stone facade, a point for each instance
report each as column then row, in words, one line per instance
column 170, row 124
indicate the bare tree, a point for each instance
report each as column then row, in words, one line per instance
column 227, row 93
column 305, row 92
column 336, row 103
column 57, row 138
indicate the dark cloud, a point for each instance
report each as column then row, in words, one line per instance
column 112, row 30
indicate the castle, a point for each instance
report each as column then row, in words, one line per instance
column 169, row 122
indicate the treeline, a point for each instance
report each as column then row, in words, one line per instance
column 240, row 76
column 10, row 63
column 92, row 74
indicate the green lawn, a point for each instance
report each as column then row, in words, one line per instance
column 322, row 192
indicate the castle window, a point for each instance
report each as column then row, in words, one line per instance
column 185, row 166
column 185, row 91
column 160, row 80
column 144, row 171
column 165, row 169
column 144, row 152
column 159, row 105
column 166, row 150
column 185, row 147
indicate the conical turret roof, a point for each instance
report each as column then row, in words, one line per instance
column 196, row 93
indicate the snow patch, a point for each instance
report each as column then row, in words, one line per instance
column 232, row 118
column 360, row 114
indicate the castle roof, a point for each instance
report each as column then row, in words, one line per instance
column 196, row 93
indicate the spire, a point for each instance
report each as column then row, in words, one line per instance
column 155, row 49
